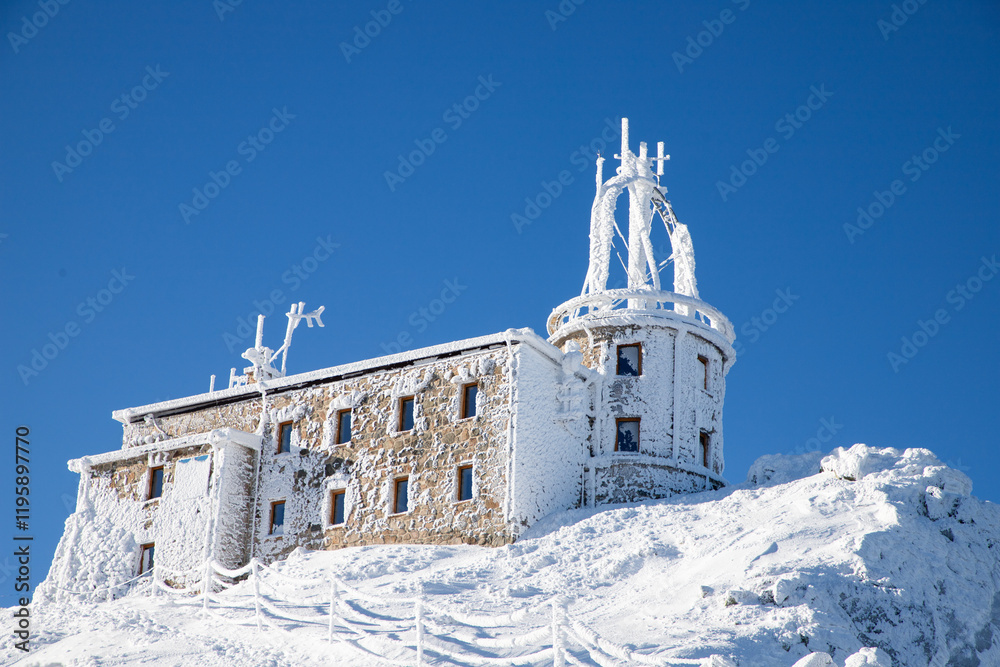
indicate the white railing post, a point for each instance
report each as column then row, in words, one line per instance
column 558, row 659
column 418, row 614
column 333, row 604
column 255, row 574
column 206, row 585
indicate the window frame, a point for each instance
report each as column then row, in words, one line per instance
column 338, row 436
column 282, row 427
column 458, row 483
column 464, row 407
column 334, row 494
column 638, row 443
column 402, row 413
column 405, row 479
column 704, row 361
column 618, row 359
column 150, row 548
column 271, row 524
column 705, row 440
column 149, row 485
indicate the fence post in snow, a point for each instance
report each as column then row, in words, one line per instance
column 255, row 574
column 206, row 585
column 333, row 603
column 558, row 659
column 418, row 614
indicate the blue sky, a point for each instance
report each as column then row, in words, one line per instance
column 277, row 127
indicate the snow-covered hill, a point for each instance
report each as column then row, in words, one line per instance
column 863, row 548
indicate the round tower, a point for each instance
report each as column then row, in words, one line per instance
column 659, row 358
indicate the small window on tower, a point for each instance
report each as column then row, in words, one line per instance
column 343, row 427
column 627, row 438
column 630, row 360
column 284, row 437
column 469, row 393
column 337, row 507
column 155, row 482
column 400, row 502
column 704, row 366
column 406, row 413
column 146, row 558
column 464, row 483
column 277, row 518
column 706, row 448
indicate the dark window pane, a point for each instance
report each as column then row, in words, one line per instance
column 344, row 427
column 465, row 483
column 706, row 448
column 284, row 438
column 628, row 435
column 704, row 362
column 337, row 508
column 400, row 504
column 155, row 483
column 629, row 359
column 277, row 518
column 146, row 560
column 406, row 414
column 469, row 400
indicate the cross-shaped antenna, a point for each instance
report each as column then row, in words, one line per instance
column 660, row 157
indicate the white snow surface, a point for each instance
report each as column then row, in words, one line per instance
column 867, row 556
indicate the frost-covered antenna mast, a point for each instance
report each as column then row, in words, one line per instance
column 645, row 201
column 263, row 357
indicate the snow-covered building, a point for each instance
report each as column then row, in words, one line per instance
column 467, row 442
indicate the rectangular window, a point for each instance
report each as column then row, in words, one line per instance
column 464, row 483
column 337, row 507
column 704, row 380
column 155, row 482
column 284, row 437
column 343, row 427
column 706, row 448
column 277, row 518
column 146, row 558
column 406, row 413
column 627, row 438
column 630, row 360
column 469, row 393
column 400, row 501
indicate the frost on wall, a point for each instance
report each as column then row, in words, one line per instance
column 93, row 554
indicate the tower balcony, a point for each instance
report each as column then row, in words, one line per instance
column 624, row 306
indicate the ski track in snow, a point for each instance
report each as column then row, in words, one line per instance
column 882, row 548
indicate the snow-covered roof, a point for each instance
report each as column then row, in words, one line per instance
column 334, row 373
column 219, row 435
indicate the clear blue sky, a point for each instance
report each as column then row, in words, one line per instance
column 197, row 88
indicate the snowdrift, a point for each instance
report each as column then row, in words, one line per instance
column 866, row 556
